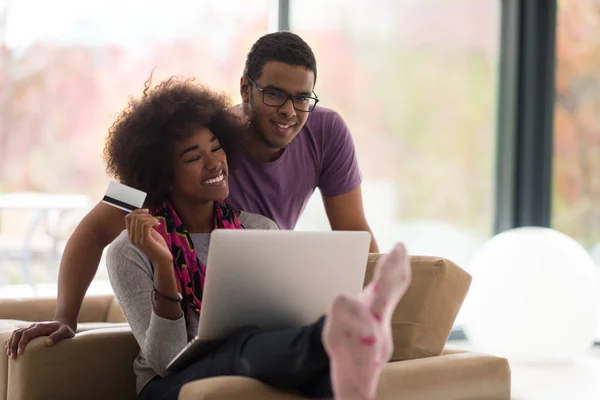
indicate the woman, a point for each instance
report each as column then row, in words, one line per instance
column 172, row 144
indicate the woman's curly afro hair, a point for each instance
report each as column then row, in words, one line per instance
column 139, row 146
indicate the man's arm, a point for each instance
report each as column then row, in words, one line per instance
column 78, row 267
column 346, row 213
column 81, row 258
column 340, row 179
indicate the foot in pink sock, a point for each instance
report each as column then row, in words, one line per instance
column 391, row 279
column 353, row 340
column 357, row 332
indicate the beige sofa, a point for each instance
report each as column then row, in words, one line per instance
column 97, row 363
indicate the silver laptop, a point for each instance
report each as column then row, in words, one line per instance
column 274, row 280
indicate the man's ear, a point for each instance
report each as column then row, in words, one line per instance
column 245, row 89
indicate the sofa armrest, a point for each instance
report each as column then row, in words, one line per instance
column 459, row 375
column 231, row 388
column 95, row 364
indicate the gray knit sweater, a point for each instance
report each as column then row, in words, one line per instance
column 132, row 280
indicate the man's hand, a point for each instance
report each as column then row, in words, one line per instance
column 55, row 330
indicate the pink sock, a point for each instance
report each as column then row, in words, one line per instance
column 357, row 332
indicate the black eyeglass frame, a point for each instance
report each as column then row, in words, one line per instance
column 286, row 97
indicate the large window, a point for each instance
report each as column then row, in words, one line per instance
column 66, row 69
column 416, row 83
column 576, row 173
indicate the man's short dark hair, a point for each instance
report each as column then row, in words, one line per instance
column 285, row 47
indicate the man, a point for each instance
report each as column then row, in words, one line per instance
column 294, row 148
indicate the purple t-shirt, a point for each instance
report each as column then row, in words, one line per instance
column 322, row 155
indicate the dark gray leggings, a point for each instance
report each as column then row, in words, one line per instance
column 290, row 359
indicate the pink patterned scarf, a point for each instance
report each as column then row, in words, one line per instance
column 189, row 272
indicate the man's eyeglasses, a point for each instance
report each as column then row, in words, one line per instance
column 277, row 98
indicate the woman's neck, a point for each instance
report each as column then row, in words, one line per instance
column 197, row 217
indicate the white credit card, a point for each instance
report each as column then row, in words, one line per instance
column 124, row 197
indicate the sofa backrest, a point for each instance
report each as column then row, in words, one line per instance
column 93, row 309
column 114, row 313
column 421, row 323
column 424, row 317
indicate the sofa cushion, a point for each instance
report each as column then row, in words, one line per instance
column 424, row 317
column 458, row 375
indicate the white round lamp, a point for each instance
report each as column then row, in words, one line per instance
column 534, row 298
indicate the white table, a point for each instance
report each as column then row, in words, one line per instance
column 44, row 201
column 41, row 205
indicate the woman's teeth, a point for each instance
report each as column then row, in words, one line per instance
column 213, row 180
